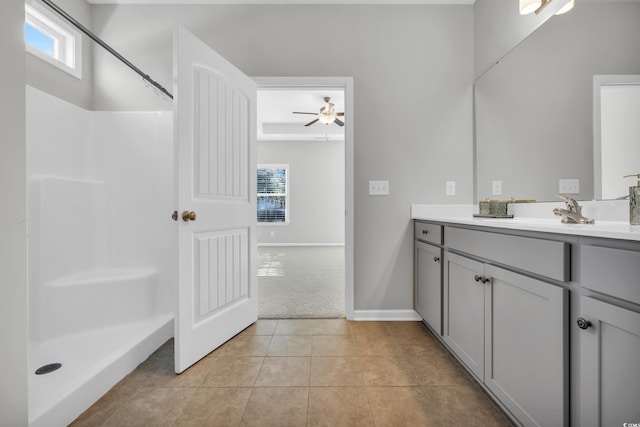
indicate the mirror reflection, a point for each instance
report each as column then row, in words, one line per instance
column 534, row 109
column 616, row 138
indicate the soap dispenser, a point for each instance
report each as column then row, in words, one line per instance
column 634, row 202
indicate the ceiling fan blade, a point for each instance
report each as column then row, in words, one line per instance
column 338, row 122
column 339, row 114
column 312, row 122
column 300, row 112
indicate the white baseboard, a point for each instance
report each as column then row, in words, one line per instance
column 389, row 315
column 300, row 244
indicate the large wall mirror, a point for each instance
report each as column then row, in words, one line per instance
column 534, row 109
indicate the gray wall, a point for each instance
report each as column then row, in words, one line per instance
column 413, row 71
column 316, row 192
column 50, row 79
column 13, row 242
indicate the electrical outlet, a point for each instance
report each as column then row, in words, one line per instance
column 496, row 187
column 569, row 186
column 451, row 188
column 378, row 188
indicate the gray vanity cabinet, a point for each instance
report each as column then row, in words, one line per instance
column 609, row 334
column 464, row 301
column 428, row 273
column 510, row 330
column 609, row 364
column 526, row 346
column 428, row 284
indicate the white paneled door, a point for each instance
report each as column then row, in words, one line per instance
column 215, row 116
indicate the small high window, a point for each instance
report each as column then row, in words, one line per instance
column 51, row 39
column 273, row 194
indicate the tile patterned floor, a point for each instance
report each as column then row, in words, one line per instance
column 303, row 372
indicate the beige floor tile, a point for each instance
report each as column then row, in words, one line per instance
column 419, row 347
column 247, row 345
column 333, row 345
column 166, row 350
column 369, row 328
column 232, row 371
column 335, row 371
column 151, row 407
column 331, row 327
column 401, row 406
column 376, row 345
column 261, row 327
column 191, row 377
column 284, row 372
column 457, row 405
column 210, row 407
column 407, row 328
column 99, row 412
column 386, row 371
column 277, row 407
column 339, row 407
column 290, row 345
column 294, row 327
column 438, row 369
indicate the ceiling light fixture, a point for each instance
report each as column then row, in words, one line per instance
column 530, row 6
column 566, row 8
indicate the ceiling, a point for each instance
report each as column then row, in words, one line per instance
column 276, row 121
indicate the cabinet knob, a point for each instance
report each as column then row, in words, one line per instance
column 481, row 279
column 436, row 259
column 425, row 231
column 583, row 323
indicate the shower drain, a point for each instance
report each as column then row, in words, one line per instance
column 48, row 368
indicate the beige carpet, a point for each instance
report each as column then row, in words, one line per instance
column 300, row 282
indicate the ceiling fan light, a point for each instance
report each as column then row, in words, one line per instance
column 529, row 6
column 327, row 119
column 566, row 8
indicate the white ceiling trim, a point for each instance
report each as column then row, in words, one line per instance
column 292, row 2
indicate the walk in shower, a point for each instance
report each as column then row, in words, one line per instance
column 102, row 260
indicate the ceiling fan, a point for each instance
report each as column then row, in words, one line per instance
column 327, row 114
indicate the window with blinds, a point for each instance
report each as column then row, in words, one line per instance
column 273, row 193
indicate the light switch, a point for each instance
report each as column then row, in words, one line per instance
column 451, row 188
column 496, row 188
column 378, row 188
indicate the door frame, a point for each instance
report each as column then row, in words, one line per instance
column 346, row 84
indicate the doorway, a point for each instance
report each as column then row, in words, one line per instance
column 305, row 256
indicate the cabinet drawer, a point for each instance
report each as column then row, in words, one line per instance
column 547, row 258
column 614, row 272
column 427, row 232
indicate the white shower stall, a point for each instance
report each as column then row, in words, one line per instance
column 102, row 249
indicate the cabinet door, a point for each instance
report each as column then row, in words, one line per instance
column 428, row 287
column 464, row 311
column 609, row 365
column 526, row 353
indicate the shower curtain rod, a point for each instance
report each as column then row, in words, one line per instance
column 109, row 49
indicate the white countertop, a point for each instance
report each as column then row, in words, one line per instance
column 611, row 218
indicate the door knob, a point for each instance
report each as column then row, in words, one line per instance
column 583, row 323
column 436, row 259
column 188, row 216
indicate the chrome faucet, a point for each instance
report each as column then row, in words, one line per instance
column 573, row 213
